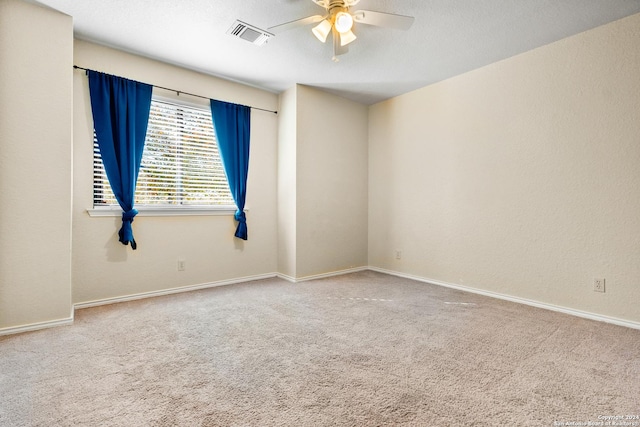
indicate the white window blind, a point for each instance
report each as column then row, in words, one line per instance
column 181, row 165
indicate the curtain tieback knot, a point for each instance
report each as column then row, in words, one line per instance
column 241, row 231
column 240, row 217
column 129, row 215
column 126, row 232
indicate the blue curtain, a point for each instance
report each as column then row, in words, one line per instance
column 232, row 124
column 120, row 110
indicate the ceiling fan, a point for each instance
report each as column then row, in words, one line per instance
column 339, row 21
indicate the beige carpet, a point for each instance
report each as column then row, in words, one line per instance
column 363, row 349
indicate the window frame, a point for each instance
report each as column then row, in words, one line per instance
column 188, row 101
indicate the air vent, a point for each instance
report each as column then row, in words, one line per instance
column 249, row 33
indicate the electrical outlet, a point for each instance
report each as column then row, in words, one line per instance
column 598, row 285
column 398, row 254
column 182, row 265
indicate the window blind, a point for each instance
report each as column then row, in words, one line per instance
column 181, row 164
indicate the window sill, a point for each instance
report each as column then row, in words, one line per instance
column 163, row 211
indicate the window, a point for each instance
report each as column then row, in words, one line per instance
column 181, row 165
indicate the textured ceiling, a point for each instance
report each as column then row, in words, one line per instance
column 448, row 37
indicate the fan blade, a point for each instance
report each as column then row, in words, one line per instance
column 380, row 19
column 338, row 49
column 295, row 24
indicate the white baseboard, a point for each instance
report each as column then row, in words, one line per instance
column 36, row 326
column 321, row 276
column 177, row 290
column 525, row 301
column 106, row 301
column 287, row 277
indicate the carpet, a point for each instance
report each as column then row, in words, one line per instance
column 363, row 349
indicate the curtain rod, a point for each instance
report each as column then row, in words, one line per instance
column 183, row 92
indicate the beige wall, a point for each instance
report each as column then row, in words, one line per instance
column 104, row 268
column 322, row 187
column 287, row 171
column 35, row 164
column 332, row 164
column 521, row 178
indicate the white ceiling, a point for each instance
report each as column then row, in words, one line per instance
column 448, row 37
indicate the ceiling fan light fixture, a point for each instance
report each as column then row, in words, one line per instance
column 322, row 30
column 343, row 22
column 339, row 21
column 346, row 38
